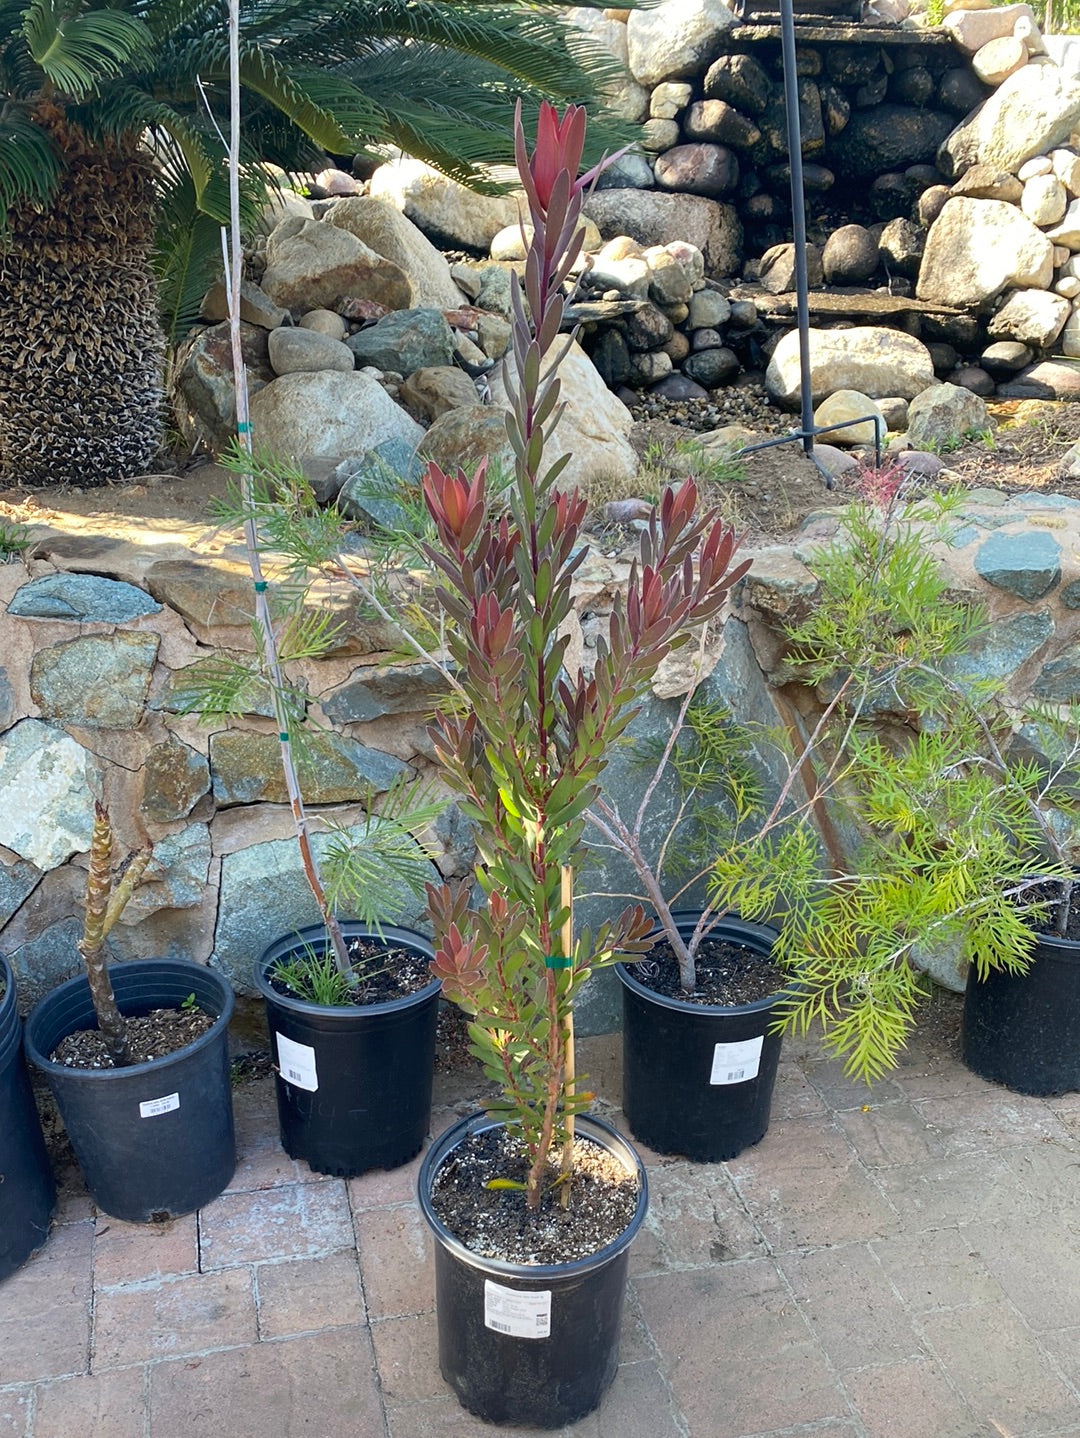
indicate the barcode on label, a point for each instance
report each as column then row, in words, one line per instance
column 295, row 1075
column 296, row 1064
column 517, row 1314
column 499, row 1327
column 736, row 1062
column 735, row 1075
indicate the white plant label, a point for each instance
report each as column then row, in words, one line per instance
column 519, row 1315
column 297, row 1063
column 151, row 1107
column 736, row 1063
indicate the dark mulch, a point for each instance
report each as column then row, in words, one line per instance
column 727, row 974
column 495, row 1222
column 154, row 1036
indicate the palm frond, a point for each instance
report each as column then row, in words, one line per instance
column 187, row 254
column 77, row 52
column 30, row 167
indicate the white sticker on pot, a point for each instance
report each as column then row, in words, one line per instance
column 297, row 1063
column 736, row 1063
column 519, row 1315
column 151, row 1107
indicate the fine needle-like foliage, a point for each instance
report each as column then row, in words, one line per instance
column 526, row 750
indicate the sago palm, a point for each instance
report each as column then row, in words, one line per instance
column 110, row 116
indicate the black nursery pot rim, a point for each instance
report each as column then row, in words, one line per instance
column 480, row 1123
column 295, row 941
column 130, row 1007
column 732, row 929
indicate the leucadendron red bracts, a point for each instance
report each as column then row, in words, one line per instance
column 527, row 745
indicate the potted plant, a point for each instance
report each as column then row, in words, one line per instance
column 955, row 841
column 27, row 1190
column 529, row 1281
column 137, row 1059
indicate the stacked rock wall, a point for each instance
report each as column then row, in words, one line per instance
column 100, row 636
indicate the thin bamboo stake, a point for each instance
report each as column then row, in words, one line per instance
column 566, row 1168
column 271, row 658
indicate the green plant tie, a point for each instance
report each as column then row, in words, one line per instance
column 260, row 586
column 243, row 426
column 557, row 961
column 284, row 737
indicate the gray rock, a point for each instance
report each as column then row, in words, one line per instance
column 1050, row 379
column 972, row 29
column 183, row 689
column 886, row 137
column 835, row 109
column 306, row 351
column 611, row 356
column 977, row 249
column 944, row 414
column 88, row 598
column 381, row 226
column 47, row 788
column 17, row 881
column 444, row 210
column 176, row 877
column 206, row 395
column 712, row 368
column 720, row 122
column 652, row 218
column 901, row 248
column 773, row 124
column 7, row 701
column 1031, row 112
column 175, row 777
column 371, row 693
column 679, row 386
column 931, row 203
column 1070, row 595
column 1059, row 681
column 698, row 169
column 960, row 90
column 850, row 256
column 1027, row 564
column 456, row 838
column 1005, row 648
column 708, row 310
column 100, row 680
column 1030, row 317
column 974, row 379
column 630, row 172
column 776, row 271
column 1005, row 357
column 911, row 87
column 989, row 182
column 405, row 341
column 432, row 390
column 245, row 768
column 256, row 307
column 873, row 360
column 647, row 328
column 311, row 265
column 265, row 894
column 496, row 283
column 740, row 81
column 328, row 416
column 675, row 40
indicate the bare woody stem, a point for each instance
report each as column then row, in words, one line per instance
column 103, row 908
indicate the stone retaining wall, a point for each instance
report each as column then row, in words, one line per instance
column 97, row 631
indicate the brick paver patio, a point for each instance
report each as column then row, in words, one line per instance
column 898, row 1263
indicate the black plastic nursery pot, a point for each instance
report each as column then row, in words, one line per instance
column 153, row 1140
column 698, row 1079
column 1023, row 1030
column 529, row 1344
column 27, row 1190
column 353, row 1082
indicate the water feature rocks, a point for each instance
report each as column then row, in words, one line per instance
column 972, row 29
column 741, row 81
column 1031, row 317
column 698, row 169
column 998, row 59
column 976, row 249
column 1030, row 113
column 652, row 218
column 674, row 40
column 1044, row 200
column 432, row 390
column 850, row 256
column 873, row 360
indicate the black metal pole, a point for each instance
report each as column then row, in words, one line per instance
column 798, row 218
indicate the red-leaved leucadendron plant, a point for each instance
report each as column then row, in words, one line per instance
column 527, row 743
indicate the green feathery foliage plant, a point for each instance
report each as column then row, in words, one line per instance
column 526, row 750
column 111, row 115
column 910, row 754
